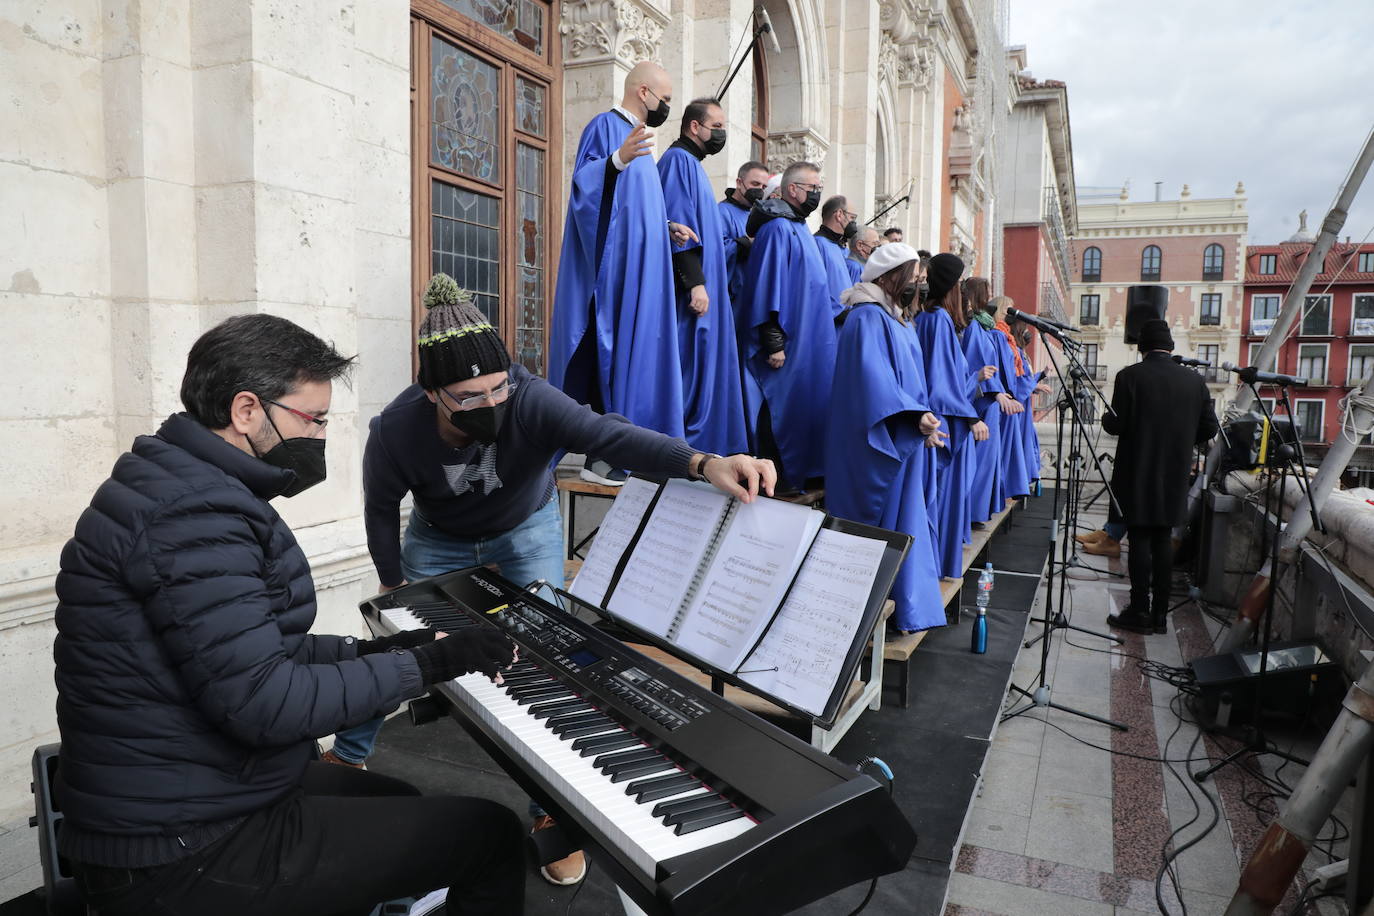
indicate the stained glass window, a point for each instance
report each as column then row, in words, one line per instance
column 466, row 242
column 522, row 21
column 529, row 106
column 465, row 111
column 529, row 328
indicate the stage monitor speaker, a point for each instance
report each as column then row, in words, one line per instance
column 1142, row 304
column 1249, row 442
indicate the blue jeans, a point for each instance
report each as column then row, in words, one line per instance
column 1115, row 530
column 531, row 550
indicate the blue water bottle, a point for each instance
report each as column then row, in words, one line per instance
column 980, row 626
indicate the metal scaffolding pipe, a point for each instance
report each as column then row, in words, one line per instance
column 1271, row 869
column 1328, row 475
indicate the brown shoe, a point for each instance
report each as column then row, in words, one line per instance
column 568, row 870
column 330, row 757
column 1092, row 537
column 1107, row 547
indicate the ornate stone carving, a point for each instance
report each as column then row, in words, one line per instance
column 786, row 147
column 904, row 53
column 596, row 31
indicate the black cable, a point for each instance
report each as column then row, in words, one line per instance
column 581, row 884
column 891, row 786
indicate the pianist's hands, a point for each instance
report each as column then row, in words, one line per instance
column 406, row 639
column 741, row 476
column 488, row 650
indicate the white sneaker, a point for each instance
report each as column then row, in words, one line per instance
column 601, row 472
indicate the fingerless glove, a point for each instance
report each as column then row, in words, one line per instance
column 487, row 650
column 406, row 639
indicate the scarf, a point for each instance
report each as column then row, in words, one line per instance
column 1015, row 350
column 984, row 319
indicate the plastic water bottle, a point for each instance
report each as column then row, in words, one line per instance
column 980, row 626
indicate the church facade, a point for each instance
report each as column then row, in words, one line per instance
column 168, row 163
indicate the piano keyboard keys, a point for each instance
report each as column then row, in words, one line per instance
column 587, row 755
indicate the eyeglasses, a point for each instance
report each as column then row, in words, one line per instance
column 318, row 424
column 810, row 187
column 497, row 395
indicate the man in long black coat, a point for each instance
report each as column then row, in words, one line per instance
column 1160, row 410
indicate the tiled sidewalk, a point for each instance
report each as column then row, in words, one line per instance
column 1062, row 825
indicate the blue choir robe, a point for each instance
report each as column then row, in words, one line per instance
column 713, row 405
column 786, row 281
column 615, row 283
column 948, row 382
column 875, row 456
column 985, row 495
column 1031, row 438
column 856, row 270
column 1015, row 481
column 836, row 273
column 732, row 222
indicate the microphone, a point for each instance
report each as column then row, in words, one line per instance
column 1048, row 327
column 1189, row 361
column 768, row 27
column 1251, row 375
column 1063, row 327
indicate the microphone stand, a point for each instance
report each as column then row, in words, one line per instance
column 758, row 33
column 1077, row 400
column 1255, row 741
column 1054, row 619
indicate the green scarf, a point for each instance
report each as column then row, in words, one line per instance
column 985, row 319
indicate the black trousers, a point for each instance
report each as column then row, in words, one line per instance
column 343, row 842
column 1150, row 561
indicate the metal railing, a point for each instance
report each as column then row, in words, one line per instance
column 1050, row 303
column 1054, row 221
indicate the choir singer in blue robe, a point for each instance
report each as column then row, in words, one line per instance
column 860, row 250
column 951, row 390
column 838, row 226
column 750, row 182
column 1016, row 476
column 881, row 431
column 614, row 334
column 787, row 328
column 713, row 406
column 987, row 494
column 1035, row 384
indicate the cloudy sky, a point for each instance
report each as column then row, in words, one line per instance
column 1276, row 94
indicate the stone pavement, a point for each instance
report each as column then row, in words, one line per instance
column 1065, row 823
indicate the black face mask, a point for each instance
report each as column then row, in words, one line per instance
column 717, row 141
column 303, row 457
column 813, row 200
column 908, row 295
column 753, row 195
column 922, row 292
column 657, row 116
column 481, row 423
column 851, row 229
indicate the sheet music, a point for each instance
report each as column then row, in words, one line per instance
column 617, row 528
column 801, row 655
column 666, row 558
column 752, row 567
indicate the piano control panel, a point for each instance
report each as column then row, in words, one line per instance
column 598, row 663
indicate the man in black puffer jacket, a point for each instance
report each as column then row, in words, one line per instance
column 190, row 691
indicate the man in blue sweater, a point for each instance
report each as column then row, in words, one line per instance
column 473, row 443
column 190, row 692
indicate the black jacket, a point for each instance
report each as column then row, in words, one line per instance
column 1161, row 411
column 189, row 693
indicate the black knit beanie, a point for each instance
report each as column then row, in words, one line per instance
column 456, row 341
column 942, row 273
column 1154, row 335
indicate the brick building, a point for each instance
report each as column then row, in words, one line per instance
column 1194, row 247
column 1332, row 342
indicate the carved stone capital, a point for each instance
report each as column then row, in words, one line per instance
column 786, row 147
column 600, row 31
column 904, row 54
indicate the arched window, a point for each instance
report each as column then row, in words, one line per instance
column 1212, row 257
column 1149, row 264
column 1092, row 265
